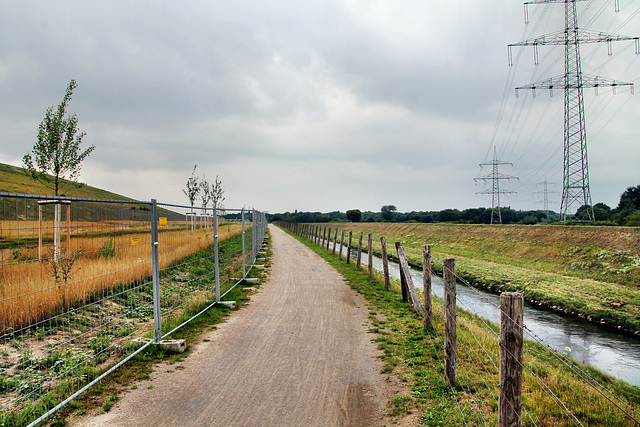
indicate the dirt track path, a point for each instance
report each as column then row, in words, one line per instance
column 298, row 355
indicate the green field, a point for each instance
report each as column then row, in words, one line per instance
column 590, row 272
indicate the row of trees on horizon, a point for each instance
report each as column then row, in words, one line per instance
column 627, row 213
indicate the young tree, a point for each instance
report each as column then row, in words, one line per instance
column 57, row 157
column 205, row 192
column 193, row 188
column 217, row 194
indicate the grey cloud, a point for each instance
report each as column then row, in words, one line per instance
column 305, row 88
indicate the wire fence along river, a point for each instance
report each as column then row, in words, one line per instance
column 481, row 352
column 83, row 282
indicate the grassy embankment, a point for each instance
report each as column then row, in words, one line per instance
column 14, row 180
column 590, row 272
column 415, row 357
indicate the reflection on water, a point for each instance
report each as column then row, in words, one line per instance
column 618, row 355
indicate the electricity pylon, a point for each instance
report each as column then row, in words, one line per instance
column 545, row 192
column 495, row 176
column 575, row 186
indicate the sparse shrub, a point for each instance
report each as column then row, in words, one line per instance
column 108, row 249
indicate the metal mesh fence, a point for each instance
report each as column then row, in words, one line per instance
column 81, row 279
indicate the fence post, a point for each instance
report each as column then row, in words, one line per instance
column 324, row 237
column 157, row 324
column 349, row 247
column 359, row 256
column 244, row 254
column 426, row 286
column 56, row 229
column 335, row 241
column 450, row 333
column 511, row 318
column 328, row 239
column 68, row 229
column 341, row 245
column 39, row 232
column 403, row 282
column 385, row 263
column 405, row 272
column 215, row 251
column 370, row 254
column 254, row 235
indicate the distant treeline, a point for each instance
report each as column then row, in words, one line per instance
column 627, row 213
column 470, row 216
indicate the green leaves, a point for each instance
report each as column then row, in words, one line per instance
column 57, row 156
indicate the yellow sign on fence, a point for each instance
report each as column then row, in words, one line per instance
column 162, row 220
column 135, row 241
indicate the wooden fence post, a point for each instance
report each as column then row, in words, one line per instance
column 403, row 283
column 511, row 318
column 328, row 239
column 335, row 241
column 324, row 237
column 370, row 254
column 359, row 256
column 341, row 245
column 405, row 272
column 426, row 286
column 349, row 247
column 450, row 333
column 385, row 263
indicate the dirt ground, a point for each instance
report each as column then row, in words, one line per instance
column 298, row 355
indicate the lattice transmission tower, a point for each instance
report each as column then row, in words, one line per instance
column 545, row 195
column 575, row 187
column 495, row 177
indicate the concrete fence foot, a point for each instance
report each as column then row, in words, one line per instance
column 176, row 346
column 230, row 304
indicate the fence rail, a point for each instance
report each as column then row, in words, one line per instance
column 496, row 361
column 80, row 279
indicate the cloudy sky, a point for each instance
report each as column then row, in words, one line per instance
column 317, row 105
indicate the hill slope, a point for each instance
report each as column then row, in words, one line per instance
column 14, row 180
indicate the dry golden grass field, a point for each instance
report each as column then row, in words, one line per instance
column 87, row 265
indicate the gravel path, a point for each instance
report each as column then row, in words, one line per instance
column 298, row 355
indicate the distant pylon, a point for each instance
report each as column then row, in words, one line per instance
column 576, row 170
column 545, row 192
column 495, row 176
